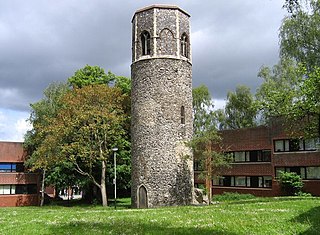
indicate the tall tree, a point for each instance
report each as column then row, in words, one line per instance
column 300, row 32
column 85, row 129
column 40, row 118
column 206, row 138
column 89, row 75
column 204, row 117
column 240, row 111
column 291, row 88
column 292, row 92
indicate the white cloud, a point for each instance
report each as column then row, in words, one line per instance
column 219, row 104
column 21, row 127
column 13, row 125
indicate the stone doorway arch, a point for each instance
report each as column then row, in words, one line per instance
column 142, row 197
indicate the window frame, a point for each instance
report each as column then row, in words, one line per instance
column 263, row 155
column 294, row 145
column 231, row 181
column 145, row 43
column 303, row 171
column 184, row 45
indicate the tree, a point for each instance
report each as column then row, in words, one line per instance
column 291, row 89
column 204, row 117
column 89, row 75
column 90, row 123
column 290, row 183
column 240, row 111
column 206, row 139
column 300, row 32
column 291, row 92
column 40, row 118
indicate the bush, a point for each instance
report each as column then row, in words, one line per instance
column 303, row 194
column 232, row 197
column 291, row 184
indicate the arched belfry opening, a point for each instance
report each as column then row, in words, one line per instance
column 184, row 45
column 167, row 42
column 142, row 197
column 145, row 43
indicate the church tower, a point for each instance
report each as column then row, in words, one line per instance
column 161, row 72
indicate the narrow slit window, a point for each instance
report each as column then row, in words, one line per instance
column 183, row 117
column 184, row 45
column 145, row 43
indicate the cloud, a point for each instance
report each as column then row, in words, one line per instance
column 13, row 125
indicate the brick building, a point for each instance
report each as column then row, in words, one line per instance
column 17, row 187
column 258, row 155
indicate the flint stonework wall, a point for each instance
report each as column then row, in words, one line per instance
column 161, row 85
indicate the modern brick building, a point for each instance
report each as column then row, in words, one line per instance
column 17, row 187
column 258, row 155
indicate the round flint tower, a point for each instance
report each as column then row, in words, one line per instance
column 161, row 71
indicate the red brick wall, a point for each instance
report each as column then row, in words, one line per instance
column 261, row 138
column 296, row 159
column 312, row 186
column 12, row 152
column 249, row 169
column 246, row 139
column 19, row 178
column 19, row 200
column 254, row 191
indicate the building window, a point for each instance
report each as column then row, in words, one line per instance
column 244, row 181
column 198, row 165
column 11, row 167
column 241, row 156
column 308, row 172
column 252, row 156
column 313, row 172
column 293, row 145
column 184, row 45
column 240, row 181
column 182, row 114
column 18, row 189
column 145, row 43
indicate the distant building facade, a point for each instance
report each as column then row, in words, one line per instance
column 259, row 154
column 17, row 187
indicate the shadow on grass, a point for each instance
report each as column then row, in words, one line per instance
column 129, row 227
column 312, row 218
column 122, row 203
column 269, row 199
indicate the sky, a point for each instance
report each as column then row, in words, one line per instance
column 42, row 42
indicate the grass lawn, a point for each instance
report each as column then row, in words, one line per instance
column 254, row 216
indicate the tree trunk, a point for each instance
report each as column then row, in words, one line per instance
column 103, row 187
column 42, row 187
column 209, row 174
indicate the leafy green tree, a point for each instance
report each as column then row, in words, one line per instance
column 300, row 32
column 291, row 92
column 204, row 117
column 89, row 75
column 206, row 139
column 40, row 118
column 240, row 111
column 86, row 128
column 290, row 183
column 291, row 88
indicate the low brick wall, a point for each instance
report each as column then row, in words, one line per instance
column 19, row 200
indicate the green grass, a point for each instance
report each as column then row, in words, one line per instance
column 292, row 215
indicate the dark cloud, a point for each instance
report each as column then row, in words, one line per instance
column 46, row 41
